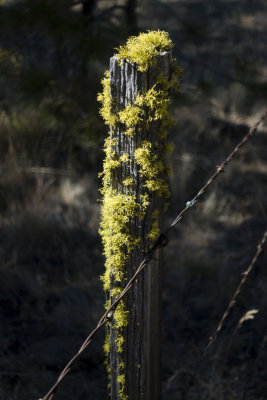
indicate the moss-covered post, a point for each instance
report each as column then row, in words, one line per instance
column 135, row 102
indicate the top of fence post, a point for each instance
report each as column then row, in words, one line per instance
column 135, row 102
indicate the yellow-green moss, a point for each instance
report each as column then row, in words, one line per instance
column 117, row 211
column 125, row 157
column 154, row 232
column 131, row 116
column 119, row 342
column 106, row 100
column 151, row 167
column 107, row 344
column 119, row 208
column 128, row 182
column 143, row 49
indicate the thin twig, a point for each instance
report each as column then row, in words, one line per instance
column 162, row 241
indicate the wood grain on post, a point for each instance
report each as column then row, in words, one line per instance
column 141, row 355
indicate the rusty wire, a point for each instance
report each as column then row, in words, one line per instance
column 193, row 367
column 161, row 241
column 213, row 338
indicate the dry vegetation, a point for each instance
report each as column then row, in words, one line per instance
column 50, row 253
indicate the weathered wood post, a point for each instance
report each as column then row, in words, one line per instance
column 135, row 102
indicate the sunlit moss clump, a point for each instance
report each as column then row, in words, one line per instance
column 143, row 49
column 120, row 203
column 106, row 100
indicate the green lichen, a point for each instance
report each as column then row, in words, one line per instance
column 121, row 205
column 151, row 167
column 131, row 116
column 106, row 100
column 154, row 232
column 125, row 157
column 128, row 182
column 143, row 49
column 120, row 341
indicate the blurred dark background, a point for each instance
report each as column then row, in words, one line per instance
column 52, row 57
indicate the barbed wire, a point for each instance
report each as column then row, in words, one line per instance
column 245, row 274
column 160, row 242
column 195, row 365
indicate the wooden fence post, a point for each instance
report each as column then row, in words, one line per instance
column 134, row 105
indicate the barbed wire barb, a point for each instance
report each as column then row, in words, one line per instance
column 163, row 238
